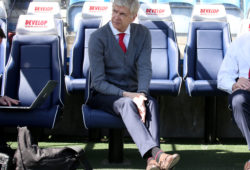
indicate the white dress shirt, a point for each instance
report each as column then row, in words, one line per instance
column 236, row 63
column 116, row 32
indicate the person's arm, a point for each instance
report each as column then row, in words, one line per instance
column 144, row 65
column 228, row 72
column 5, row 100
column 97, row 68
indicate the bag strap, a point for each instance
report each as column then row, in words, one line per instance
column 82, row 157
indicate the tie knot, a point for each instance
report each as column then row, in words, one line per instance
column 121, row 36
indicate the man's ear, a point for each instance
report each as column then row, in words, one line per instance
column 134, row 17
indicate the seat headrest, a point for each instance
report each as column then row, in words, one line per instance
column 151, row 11
column 209, row 13
column 244, row 27
column 45, row 8
column 96, row 9
column 36, row 25
column 3, row 13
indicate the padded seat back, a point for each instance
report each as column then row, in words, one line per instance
column 91, row 20
column 209, row 30
column 164, row 56
column 210, row 54
column 207, row 43
column 157, row 18
column 34, row 60
column 52, row 9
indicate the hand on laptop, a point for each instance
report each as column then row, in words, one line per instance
column 5, row 100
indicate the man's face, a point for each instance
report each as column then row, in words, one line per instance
column 121, row 17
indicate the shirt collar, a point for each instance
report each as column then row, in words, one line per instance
column 116, row 32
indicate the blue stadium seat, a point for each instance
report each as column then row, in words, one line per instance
column 181, row 13
column 165, row 53
column 74, row 13
column 34, row 59
column 207, row 42
column 4, row 46
column 52, row 8
column 76, row 80
column 233, row 10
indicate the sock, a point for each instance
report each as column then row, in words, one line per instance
column 149, row 159
column 156, row 153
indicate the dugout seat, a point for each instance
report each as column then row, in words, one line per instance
column 207, row 42
column 165, row 52
column 34, row 59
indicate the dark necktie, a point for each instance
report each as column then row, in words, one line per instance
column 121, row 43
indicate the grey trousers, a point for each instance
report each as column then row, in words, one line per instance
column 239, row 102
column 145, row 136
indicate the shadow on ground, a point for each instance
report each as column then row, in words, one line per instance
column 190, row 159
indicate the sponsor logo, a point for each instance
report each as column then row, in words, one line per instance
column 36, row 23
column 248, row 27
column 209, row 11
column 150, row 11
column 98, row 8
column 43, row 9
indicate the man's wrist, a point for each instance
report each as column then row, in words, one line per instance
column 234, row 87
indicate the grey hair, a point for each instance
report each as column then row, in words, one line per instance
column 132, row 5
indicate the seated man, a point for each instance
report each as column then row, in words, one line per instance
column 120, row 65
column 234, row 78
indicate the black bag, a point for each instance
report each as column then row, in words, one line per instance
column 29, row 156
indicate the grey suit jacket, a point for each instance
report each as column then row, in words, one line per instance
column 112, row 70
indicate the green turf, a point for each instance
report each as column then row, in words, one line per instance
column 193, row 156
